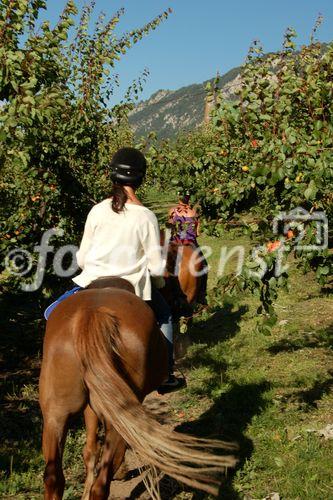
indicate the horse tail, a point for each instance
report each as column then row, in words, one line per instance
column 185, row 458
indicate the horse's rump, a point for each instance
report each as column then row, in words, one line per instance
column 119, row 321
column 138, row 335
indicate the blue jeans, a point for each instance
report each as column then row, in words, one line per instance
column 164, row 319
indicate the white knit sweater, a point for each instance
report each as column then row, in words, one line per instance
column 126, row 245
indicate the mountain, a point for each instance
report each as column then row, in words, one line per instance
column 168, row 112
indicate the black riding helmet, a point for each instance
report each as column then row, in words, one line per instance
column 128, row 167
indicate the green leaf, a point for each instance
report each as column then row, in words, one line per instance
column 311, row 190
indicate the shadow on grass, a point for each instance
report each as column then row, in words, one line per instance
column 223, row 324
column 232, row 412
column 327, row 290
column 21, row 335
column 309, row 399
column 226, row 420
column 20, row 347
column 316, row 392
column 295, row 342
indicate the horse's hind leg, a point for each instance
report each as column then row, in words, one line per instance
column 61, row 394
column 91, row 450
column 54, row 435
column 112, row 458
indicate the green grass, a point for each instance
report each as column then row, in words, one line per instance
column 160, row 203
column 264, row 392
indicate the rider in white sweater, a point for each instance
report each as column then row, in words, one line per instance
column 121, row 238
column 125, row 244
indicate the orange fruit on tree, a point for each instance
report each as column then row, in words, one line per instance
column 273, row 245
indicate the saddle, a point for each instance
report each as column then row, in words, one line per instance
column 111, row 282
column 105, row 282
column 171, row 292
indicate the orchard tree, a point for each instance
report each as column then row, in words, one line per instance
column 268, row 151
column 58, row 128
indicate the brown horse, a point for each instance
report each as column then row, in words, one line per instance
column 103, row 353
column 184, row 261
column 183, row 276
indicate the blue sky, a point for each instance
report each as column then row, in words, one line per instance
column 202, row 37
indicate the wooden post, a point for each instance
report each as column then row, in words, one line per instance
column 209, row 106
column 210, row 101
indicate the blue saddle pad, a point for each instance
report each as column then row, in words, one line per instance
column 62, row 297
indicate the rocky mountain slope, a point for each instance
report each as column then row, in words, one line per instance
column 169, row 112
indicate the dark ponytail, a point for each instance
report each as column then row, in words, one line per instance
column 119, row 198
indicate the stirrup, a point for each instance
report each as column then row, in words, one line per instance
column 172, row 384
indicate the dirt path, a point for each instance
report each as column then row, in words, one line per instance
column 132, row 487
column 159, row 406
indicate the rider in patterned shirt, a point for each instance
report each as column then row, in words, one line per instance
column 184, row 222
column 185, row 226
